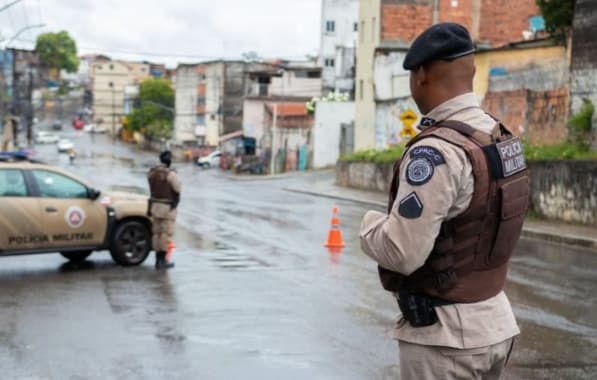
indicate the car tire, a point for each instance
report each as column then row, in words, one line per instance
column 76, row 256
column 131, row 243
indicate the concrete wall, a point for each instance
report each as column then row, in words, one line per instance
column 535, row 61
column 344, row 13
column 583, row 83
column 565, row 190
column 214, row 92
column 364, row 175
column 560, row 190
column 291, row 85
column 387, row 121
column 326, row 133
column 391, row 80
column 254, row 120
column 185, row 102
column 369, row 37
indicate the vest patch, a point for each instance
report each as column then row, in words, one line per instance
column 511, row 156
column 410, row 206
column 430, row 152
column 419, row 171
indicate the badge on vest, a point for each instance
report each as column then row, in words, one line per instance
column 505, row 158
column 410, row 206
column 419, row 171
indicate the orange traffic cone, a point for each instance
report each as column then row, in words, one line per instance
column 170, row 251
column 335, row 242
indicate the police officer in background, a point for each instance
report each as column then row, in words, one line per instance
column 165, row 196
column 457, row 204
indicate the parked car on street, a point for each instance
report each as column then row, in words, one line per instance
column 44, row 137
column 57, row 125
column 44, row 209
column 211, row 160
column 64, row 145
column 95, row 128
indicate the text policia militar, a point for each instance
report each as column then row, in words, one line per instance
column 21, row 240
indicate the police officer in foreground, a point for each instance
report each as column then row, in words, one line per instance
column 456, row 209
column 165, row 189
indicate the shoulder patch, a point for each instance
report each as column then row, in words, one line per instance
column 410, row 206
column 430, row 152
column 419, row 171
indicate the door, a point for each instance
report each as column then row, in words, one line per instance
column 346, row 138
column 71, row 218
column 21, row 226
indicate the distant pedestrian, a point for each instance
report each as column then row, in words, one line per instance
column 457, row 204
column 72, row 154
column 165, row 188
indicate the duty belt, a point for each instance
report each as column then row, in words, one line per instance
column 163, row 201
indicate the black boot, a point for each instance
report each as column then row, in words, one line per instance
column 160, row 261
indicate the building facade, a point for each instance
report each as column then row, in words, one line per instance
column 110, row 80
column 285, row 83
column 339, row 35
column 190, row 107
column 386, row 29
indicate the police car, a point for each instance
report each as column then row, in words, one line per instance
column 44, row 209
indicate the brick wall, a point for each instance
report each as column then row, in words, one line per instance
column 503, row 21
column 508, row 106
column 461, row 14
column 537, row 116
column 404, row 20
column 497, row 22
column 547, row 116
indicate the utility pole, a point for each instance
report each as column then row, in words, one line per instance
column 29, row 110
column 272, row 164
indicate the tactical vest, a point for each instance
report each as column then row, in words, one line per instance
column 159, row 187
column 469, row 260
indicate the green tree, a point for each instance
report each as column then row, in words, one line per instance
column 558, row 15
column 58, row 51
column 153, row 110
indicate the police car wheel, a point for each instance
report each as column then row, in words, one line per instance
column 131, row 243
column 76, row 256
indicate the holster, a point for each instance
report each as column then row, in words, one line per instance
column 419, row 309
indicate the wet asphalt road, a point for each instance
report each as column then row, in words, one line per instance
column 254, row 295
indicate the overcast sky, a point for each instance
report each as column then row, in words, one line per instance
column 173, row 31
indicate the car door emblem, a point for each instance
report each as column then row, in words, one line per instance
column 75, row 217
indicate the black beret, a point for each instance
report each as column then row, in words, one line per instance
column 445, row 41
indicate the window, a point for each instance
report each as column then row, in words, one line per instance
column 329, row 62
column 200, row 120
column 12, row 183
column 99, row 67
column 361, row 89
column 54, row 185
column 330, row 26
column 111, row 67
column 355, row 27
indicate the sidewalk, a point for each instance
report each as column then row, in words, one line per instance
column 552, row 231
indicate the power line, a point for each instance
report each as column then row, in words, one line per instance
column 26, row 20
column 96, row 49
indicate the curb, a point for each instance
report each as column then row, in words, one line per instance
column 527, row 231
column 568, row 239
column 369, row 203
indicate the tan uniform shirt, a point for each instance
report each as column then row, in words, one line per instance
column 162, row 210
column 403, row 244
